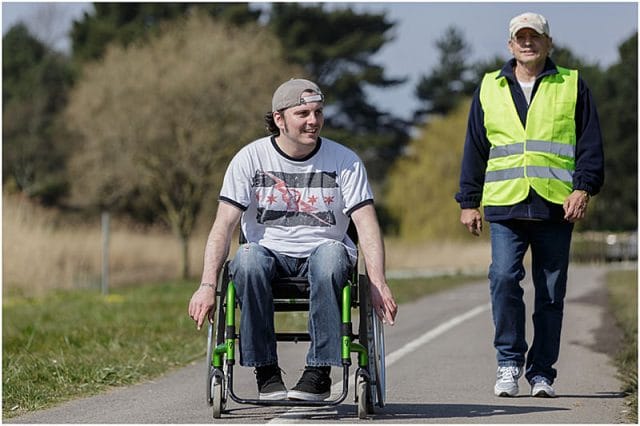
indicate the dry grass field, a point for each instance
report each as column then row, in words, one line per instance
column 471, row 256
column 42, row 250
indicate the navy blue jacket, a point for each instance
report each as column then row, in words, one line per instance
column 589, row 172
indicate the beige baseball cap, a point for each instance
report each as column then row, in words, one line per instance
column 531, row 20
column 290, row 93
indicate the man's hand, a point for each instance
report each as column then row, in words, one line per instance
column 472, row 219
column 202, row 302
column 575, row 205
column 383, row 303
column 372, row 247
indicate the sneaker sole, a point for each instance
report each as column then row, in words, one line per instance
column 542, row 394
column 306, row 396
column 505, row 393
column 273, row 396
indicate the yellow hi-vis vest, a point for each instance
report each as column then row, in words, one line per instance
column 540, row 156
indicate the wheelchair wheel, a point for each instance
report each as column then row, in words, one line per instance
column 219, row 397
column 377, row 355
column 364, row 399
column 216, row 330
column 213, row 340
column 216, row 385
column 372, row 337
column 208, row 361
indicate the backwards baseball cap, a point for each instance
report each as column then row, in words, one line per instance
column 292, row 93
column 534, row 21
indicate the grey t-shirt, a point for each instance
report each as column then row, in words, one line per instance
column 292, row 206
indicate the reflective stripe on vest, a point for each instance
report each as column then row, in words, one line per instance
column 542, row 155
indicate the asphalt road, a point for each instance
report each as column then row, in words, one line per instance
column 440, row 369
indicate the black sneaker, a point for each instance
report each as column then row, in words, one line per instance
column 314, row 385
column 270, row 384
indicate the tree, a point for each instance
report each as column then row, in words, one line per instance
column 335, row 48
column 161, row 120
column 451, row 80
column 419, row 195
column 480, row 68
column 615, row 208
column 591, row 73
column 124, row 23
column 35, row 83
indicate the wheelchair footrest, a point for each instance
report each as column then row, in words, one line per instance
column 291, row 403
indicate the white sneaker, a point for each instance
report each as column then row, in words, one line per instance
column 541, row 387
column 507, row 381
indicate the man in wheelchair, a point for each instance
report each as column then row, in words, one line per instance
column 294, row 195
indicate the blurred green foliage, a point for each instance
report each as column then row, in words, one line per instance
column 421, row 184
column 35, row 146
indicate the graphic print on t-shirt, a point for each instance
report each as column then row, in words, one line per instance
column 292, row 199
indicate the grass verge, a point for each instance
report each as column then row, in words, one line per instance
column 623, row 296
column 77, row 343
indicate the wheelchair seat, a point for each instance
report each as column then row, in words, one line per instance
column 291, row 294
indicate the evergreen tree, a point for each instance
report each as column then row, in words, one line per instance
column 480, row 68
column 124, row 23
column 615, row 208
column 34, row 90
column 335, row 48
column 451, row 80
column 591, row 73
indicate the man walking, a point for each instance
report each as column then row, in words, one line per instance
column 533, row 157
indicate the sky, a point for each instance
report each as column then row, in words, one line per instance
column 591, row 30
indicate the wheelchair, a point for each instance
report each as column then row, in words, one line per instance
column 292, row 295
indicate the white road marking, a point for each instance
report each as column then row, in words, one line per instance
column 301, row 412
column 433, row 333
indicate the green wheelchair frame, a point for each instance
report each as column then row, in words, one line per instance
column 291, row 294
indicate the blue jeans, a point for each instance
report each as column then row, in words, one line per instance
column 550, row 243
column 255, row 267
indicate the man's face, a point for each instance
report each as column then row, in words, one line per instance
column 529, row 47
column 301, row 124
